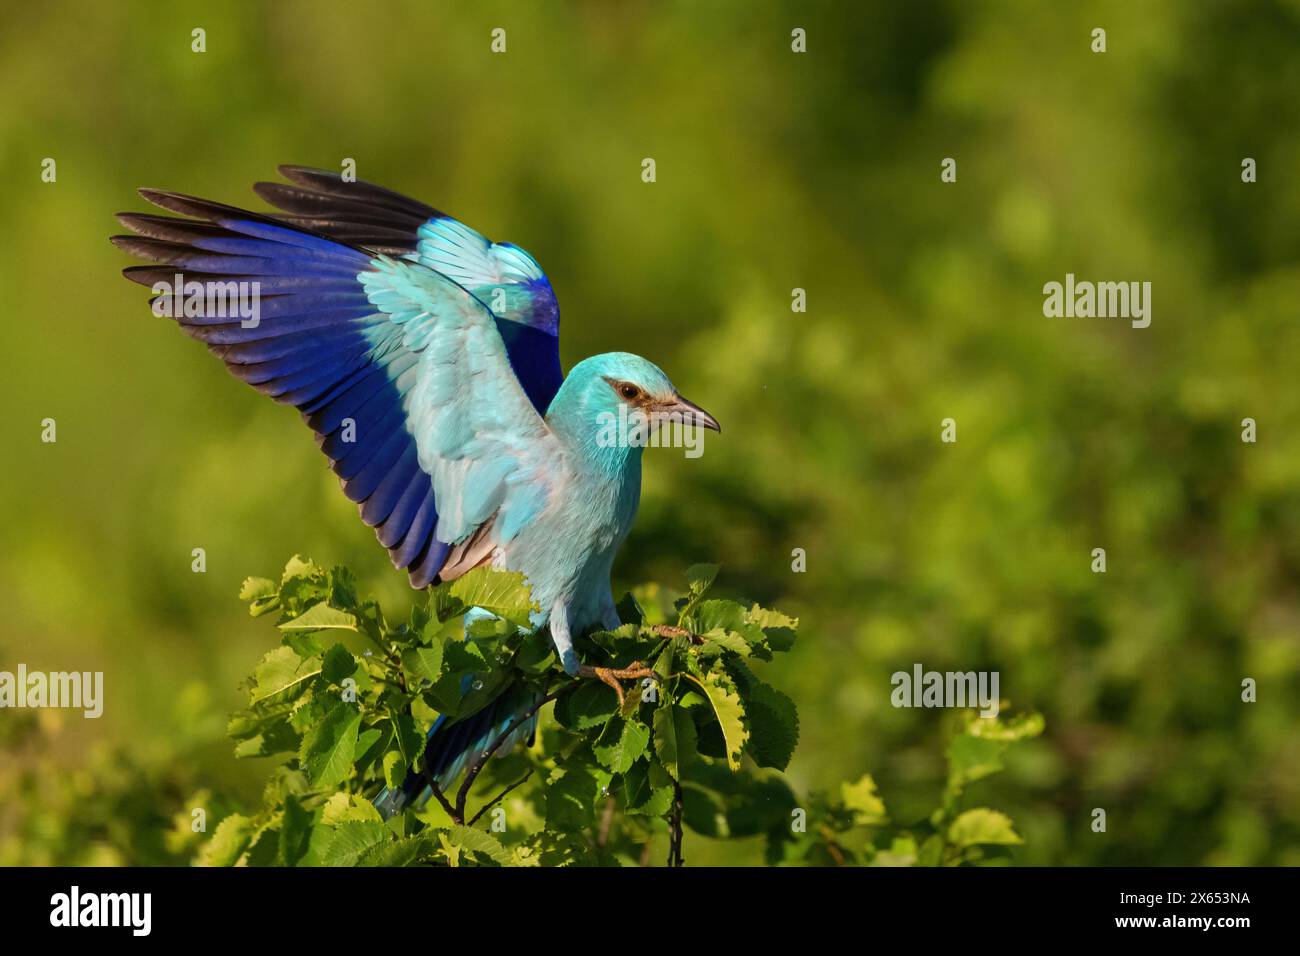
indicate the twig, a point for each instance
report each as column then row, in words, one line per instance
column 462, row 795
column 606, row 821
column 832, row 847
column 675, row 828
column 457, row 818
column 497, row 799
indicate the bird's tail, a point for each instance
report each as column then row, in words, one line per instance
column 454, row 744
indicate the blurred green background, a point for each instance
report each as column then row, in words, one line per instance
column 776, row 170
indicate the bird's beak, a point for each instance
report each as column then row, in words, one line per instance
column 688, row 413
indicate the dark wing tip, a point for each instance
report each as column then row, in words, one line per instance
column 303, row 175
column 151, row 194
column 143, row 275
column 176, row 202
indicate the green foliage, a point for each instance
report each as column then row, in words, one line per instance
column 343, row 705
column 853, row 827
column 68, row 804
column 923, row 302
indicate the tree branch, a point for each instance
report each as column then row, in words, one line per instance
column 606, row 821
column 497, row 799
column 457, row 818
column 675, row 828
column 462, row 795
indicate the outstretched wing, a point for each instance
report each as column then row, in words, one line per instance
column 398, row 368
column 505, row 278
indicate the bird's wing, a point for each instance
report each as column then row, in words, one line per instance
column 505, row 278
column 398, row 369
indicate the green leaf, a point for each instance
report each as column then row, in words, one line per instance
column 423, row 663
column 902, row 852
column 478, row 841
column 767, row 618
column 398, row 852
column 647, row 790
column 629, row 611
column 295, row 832
column 721, row 803
column 982, row 826
column 303, row 643
column 299, row 567
column 449, row 697
column 773, row 719
column 328, row 747
column 302, row 584
column 254, row 589
column 537, row 653
column 367, row 740
column 778, row 628
column 228, row 843
column 284, row 780
column 394, row 769
column 861, row 799
column 663, row 665
column 632, row 701
column 343, row 588
column 718, row 641
column 674, row 738
column 621, row 742
column 410, row 739
column 591, row 705
column 571, row 794
column 931, row 852
column 282, row 675
column 264, row 848
column 716, row 615
column 503, row 593
column 729, row 710
column 310, row 709
column 1006, row 729
column 262, row 595
column 276, row 737
column 320, row 617
column 345, row 807
column 352, row 839
column 338, row 664
column 973, row 758
column 465, row 657
column 700, row 577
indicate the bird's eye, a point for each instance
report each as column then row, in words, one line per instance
column 629, row 391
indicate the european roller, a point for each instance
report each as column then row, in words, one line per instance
column 425, row 358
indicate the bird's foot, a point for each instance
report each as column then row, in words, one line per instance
column 670, row 631
column 612, row 675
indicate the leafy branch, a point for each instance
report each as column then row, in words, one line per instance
column 853, row 827
column 345, row 702
column 340, row 710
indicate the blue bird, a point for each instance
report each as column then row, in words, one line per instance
column 426, row 359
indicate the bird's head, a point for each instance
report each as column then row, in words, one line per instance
column 622, row 398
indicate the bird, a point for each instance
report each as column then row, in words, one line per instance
column 425, row 358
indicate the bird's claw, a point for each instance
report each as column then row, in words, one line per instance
column 612, row 675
